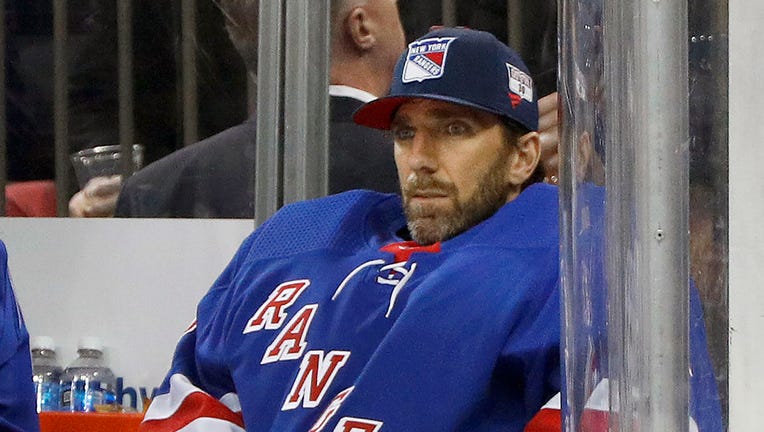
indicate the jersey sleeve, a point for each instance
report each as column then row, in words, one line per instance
column 17, row 399
column 198, row 391
column 536, row 351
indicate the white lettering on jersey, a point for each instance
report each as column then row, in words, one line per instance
column 290, row 343
column 271, row 314
column 352, row 424
column 314, row 378
column 334, row 405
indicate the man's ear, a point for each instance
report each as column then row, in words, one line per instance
column 359, row 29
column 524, row 159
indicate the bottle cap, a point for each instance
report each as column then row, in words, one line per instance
column 43, row 343
column 90, row 343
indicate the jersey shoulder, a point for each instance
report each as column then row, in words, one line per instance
column 530, row 221
column 344, row 221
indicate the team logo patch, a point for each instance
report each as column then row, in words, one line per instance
column 426, row 59
column 520, row 85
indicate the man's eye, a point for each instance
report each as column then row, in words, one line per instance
column 403, row 134
column 456, row 128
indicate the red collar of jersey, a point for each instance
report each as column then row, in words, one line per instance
column 403, row 250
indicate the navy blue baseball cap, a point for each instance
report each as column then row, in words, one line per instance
column 462, row 66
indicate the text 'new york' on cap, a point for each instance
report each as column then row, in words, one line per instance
column 462, row 66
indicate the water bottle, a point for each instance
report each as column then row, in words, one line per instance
column 46, row 374
column 87, row 384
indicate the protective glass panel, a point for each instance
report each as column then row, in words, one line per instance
column 593, row 182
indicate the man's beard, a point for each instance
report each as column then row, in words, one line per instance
column 428, row 224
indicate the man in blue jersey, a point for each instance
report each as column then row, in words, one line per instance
column 437, row 310
column 17, row 399
column 365, row 312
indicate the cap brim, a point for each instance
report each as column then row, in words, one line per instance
column 378, row 114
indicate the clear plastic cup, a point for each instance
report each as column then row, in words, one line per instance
column 103, row 161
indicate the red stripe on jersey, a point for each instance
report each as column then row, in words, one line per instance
column 546, row 420
column 195, row 406
column 550, row 420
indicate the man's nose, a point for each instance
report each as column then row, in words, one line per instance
column 423, row 153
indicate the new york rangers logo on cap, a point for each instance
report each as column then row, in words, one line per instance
column 426, row 59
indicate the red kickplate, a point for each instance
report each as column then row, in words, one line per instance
column 89, row 422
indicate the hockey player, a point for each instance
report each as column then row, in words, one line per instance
column 342, row 314
column 435, row 311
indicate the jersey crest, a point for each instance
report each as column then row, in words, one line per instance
column 288, row 323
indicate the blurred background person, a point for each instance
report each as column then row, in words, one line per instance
column 215, row 177
column 91, row 53
column 207, row 182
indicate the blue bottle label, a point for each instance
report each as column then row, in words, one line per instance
column 84, row 396
column 48, row 396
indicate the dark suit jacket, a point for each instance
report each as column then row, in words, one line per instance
column 214, row 178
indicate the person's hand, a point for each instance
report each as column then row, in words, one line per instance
column 549, row 122
column 97, row 199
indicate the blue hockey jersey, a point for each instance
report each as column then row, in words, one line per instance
column 17, row 400
column 326, row 320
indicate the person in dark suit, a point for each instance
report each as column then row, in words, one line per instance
column 214, row 178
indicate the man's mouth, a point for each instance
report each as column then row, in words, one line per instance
column 429, row 194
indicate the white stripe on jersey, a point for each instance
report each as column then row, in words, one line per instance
column 165, row 405
column 231, row 400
